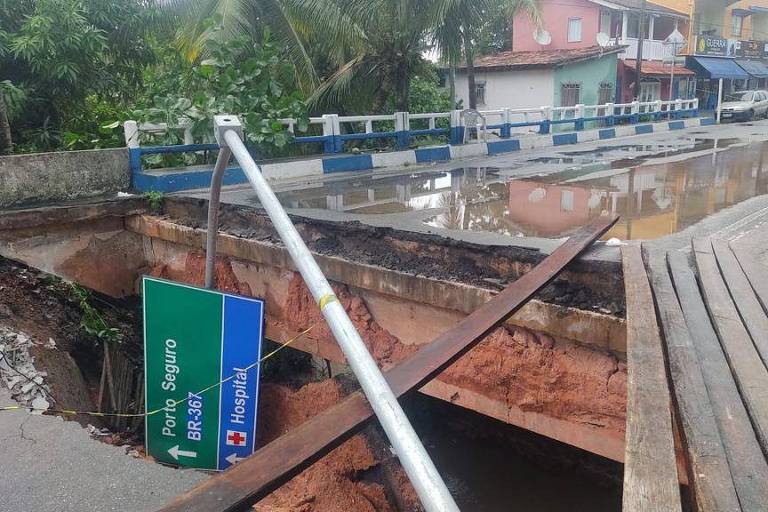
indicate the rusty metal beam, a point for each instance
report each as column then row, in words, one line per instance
column 271, row 466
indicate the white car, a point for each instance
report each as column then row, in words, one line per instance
column 747, row 105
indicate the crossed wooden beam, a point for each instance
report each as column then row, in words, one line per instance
column 267, row 469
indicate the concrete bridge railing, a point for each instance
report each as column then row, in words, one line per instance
column 403, row 127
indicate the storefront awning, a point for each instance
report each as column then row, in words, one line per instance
column 756, row 68
column 715, row 67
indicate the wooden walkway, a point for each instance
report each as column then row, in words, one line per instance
column 697, row 348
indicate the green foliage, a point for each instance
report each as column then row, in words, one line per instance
column 426, row 95
column 64, row 56
column 91, row 321
column 240, row 77
column 494, row 34
column 155, row 200
column 14, row 97
column 59, row 45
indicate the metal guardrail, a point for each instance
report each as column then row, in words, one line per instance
column 336, row 130
column 425, row 478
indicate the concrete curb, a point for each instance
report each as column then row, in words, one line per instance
column 314, row 167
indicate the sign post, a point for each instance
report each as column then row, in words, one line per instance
column 201, row 371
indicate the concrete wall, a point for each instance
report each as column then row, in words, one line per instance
column 47, row 177
column 510, row 89
column 555, row 17
column 589, row 74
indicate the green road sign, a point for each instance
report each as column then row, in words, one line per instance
column 195, row 339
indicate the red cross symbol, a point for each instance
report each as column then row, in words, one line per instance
column 235, row 438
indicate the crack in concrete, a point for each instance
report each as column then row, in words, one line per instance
column 22, row 434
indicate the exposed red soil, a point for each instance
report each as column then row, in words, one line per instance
column 533, row 371
column 333, row 484
column 194, row 274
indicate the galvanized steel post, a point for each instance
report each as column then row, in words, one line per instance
column 418, row 466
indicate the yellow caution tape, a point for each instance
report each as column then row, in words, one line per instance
column 326, row 299
column 175, row 403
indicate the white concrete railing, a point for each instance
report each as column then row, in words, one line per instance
column 652, row 50
column 333, row 135
column 515, row 116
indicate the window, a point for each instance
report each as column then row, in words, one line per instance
column 605, row 93
column 649, row 91
column 605, row 22
column 633, row 26
column 662, row 27
column 480, row 92
column 737, row 23
column 574, row 30
column 569, row 94
column 566, row 200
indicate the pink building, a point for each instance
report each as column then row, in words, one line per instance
column 571, row 24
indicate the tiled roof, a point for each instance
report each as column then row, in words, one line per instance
column 655, row 67
column 541, row 58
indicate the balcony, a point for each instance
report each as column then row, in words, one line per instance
column 652, row 50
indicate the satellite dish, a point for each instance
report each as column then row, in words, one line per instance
column 542, row 37
column 602, row 39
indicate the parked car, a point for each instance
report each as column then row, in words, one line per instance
column 746, row 105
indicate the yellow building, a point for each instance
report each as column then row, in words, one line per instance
column 745, row 20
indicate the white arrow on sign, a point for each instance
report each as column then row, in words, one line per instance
column 176, row 453
column 233, row 458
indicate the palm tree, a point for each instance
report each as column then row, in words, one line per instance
column 458, row 23
column 348, row 54
column 389, row 50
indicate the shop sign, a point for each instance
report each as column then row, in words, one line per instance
column 751, row 49
column 715, row 46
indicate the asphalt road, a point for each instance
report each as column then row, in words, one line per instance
column 49, row 464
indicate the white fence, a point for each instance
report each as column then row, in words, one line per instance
column 335, row 129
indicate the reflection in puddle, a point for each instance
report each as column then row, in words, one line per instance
column 653, row 200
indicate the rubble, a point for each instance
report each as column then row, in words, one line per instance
column 18, row 372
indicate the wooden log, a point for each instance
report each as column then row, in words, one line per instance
column 746, row 366
column 755, row 272
column 748, row 466
column 709, row 474
column 752, row 314
column 650, row 467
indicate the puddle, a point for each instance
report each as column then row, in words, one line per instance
column 653, row 200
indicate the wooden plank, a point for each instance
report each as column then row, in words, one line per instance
column 709, row 473
column 755, row 272
column 751, row 312
column 650, row 467
column 748, row 370
column 748, row 466
column 250, row 480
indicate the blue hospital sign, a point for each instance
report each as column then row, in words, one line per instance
column 195, row 339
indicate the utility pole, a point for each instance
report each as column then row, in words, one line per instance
column 640, row 38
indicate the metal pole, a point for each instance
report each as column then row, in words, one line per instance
column 213, row 215
column 672, row 73
column 640, row 40
column 719, row 98
column 418, row 466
